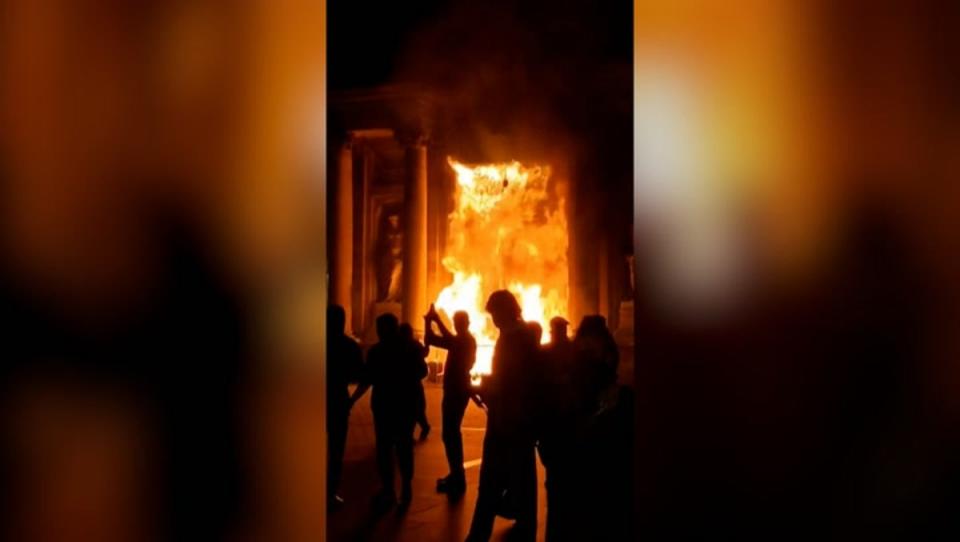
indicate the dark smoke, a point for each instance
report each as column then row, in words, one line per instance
column 540, row 82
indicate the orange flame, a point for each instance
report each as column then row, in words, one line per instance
column 507, row 230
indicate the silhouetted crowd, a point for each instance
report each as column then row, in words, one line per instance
column 560, row 400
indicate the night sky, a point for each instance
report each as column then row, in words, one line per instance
column 366, row 38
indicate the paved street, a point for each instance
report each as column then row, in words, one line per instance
column 431, row 516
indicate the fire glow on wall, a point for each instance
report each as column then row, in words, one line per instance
column 508, row 230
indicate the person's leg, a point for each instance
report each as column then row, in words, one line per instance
column 384, row 437
column 525, row 484
column 489, row 492
column 404, row 447
column 553, row 507
column 422, row 413
column 337, row 424
column 453, row 411
column 559, row 511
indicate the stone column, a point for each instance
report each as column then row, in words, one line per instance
column 341, row 276
column 603, row 277
column 415, row 236
column 625, row 334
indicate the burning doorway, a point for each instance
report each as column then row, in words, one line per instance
column 508, row 229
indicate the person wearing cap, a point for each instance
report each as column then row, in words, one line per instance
column 558, row 362
column 559, row 351
column 509, row 457
column 553, row 437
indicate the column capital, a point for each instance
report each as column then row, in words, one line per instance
column 412, row 138
column 349, row 140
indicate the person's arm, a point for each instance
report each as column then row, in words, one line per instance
column 444, row 339
column 358, row 393
column 429, row 336
column 476, row 392
column 361, row 389
column 443, row 329
column 355, row 364
column 471, row 353
column 366, row 380
column 478, row 401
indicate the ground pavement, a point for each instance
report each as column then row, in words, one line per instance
column 431, row 516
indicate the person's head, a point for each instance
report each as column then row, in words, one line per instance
column 503, row 308
column 406, row 331
column 592, row 325
column 595, row 346
column 461, row 322
column 558, row 329
column 387, row 326
column 536, row 330
column 336, row 320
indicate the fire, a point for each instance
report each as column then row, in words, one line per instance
column 507, row 230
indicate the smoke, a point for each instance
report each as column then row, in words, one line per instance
column 545, row 83
column 515, row 82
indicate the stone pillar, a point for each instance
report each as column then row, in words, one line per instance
column 341, row 276
column 625, row 333
column 603, row 278
column 415, row 236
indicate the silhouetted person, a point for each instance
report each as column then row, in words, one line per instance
column 537, row 396
column 596, row 356
column 871, row 320
column 558, row 360
column 406, row 332
column 509, row 459
column 344, row 365
column 394, row 369
column 558, row 397
column 457, row 390
column 589, row 448
column 559, row 340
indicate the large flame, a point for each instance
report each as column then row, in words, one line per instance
column 507, row 230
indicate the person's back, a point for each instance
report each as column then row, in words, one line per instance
column 344, row 365
column 460, row 359
column 394, row 370
column 508, row 390
column 407, row 336
column 596, row 358
column 344, row 360
column 558, row 353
